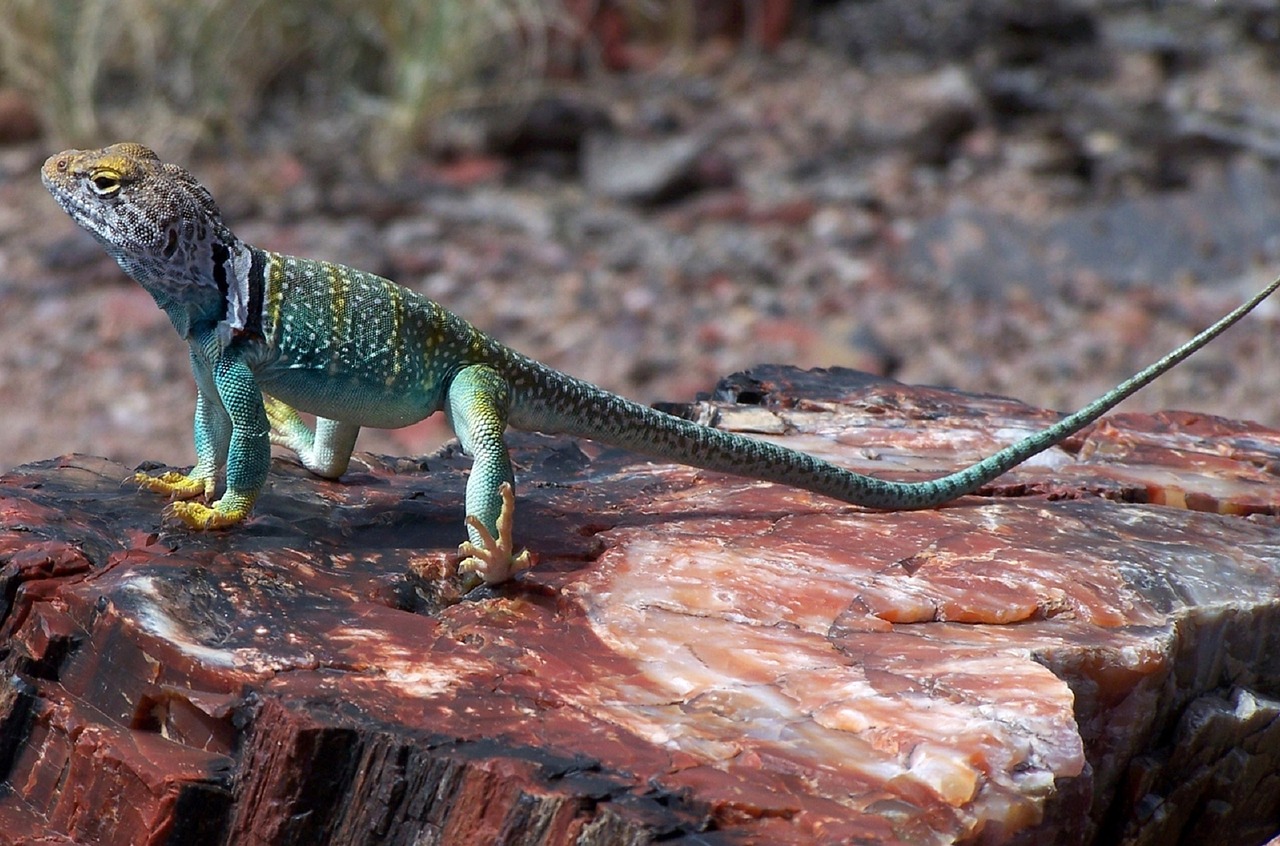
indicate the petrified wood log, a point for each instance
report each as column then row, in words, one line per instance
column 1089, row 653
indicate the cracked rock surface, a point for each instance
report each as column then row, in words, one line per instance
column 1085, row 653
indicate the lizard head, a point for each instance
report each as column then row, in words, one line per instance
column 153, row 218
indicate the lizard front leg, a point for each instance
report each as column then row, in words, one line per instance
column 212, row 431
column 325, row 452
column 477, row 409
column 231, row 428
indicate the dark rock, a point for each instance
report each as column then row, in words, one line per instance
column 556, row 122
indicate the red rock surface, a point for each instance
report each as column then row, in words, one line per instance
column 696, row 656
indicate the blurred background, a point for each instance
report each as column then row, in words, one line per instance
column 1031, row 199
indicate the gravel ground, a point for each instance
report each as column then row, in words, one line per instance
column 1033, row 204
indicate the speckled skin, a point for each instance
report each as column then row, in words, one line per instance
column 358, row 350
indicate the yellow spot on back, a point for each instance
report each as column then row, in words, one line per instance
column 338, row 295
column 274, row 295
column 396, row 341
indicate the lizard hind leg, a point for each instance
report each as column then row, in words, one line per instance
column 325, row 451
column 476, row 405
column 287, row 428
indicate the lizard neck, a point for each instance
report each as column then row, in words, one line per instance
column 241, row 277
column 216, row 282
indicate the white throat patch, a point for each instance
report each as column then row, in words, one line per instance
column 238, row 294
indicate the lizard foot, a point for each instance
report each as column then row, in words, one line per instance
column 198, row 516
column 174, row 485
column 492, row 560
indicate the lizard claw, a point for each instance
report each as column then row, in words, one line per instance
column 492, row 560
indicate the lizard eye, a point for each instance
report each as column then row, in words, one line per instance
column 105, row 183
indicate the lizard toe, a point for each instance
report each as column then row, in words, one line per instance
column 173, row 485
column 493, row 559
column 195, row 515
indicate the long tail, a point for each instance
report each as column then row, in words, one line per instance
column 548, row 401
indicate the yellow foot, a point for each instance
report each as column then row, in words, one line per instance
column 493, row 560
column 199, row 516
column 175, row 485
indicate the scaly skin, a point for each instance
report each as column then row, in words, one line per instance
column 358, row 350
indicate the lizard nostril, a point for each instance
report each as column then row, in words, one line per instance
column 62, row 165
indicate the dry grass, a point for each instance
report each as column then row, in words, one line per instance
column 194, row 71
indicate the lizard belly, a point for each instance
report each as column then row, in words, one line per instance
column 357, row 401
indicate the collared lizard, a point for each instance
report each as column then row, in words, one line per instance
column 356, row 350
